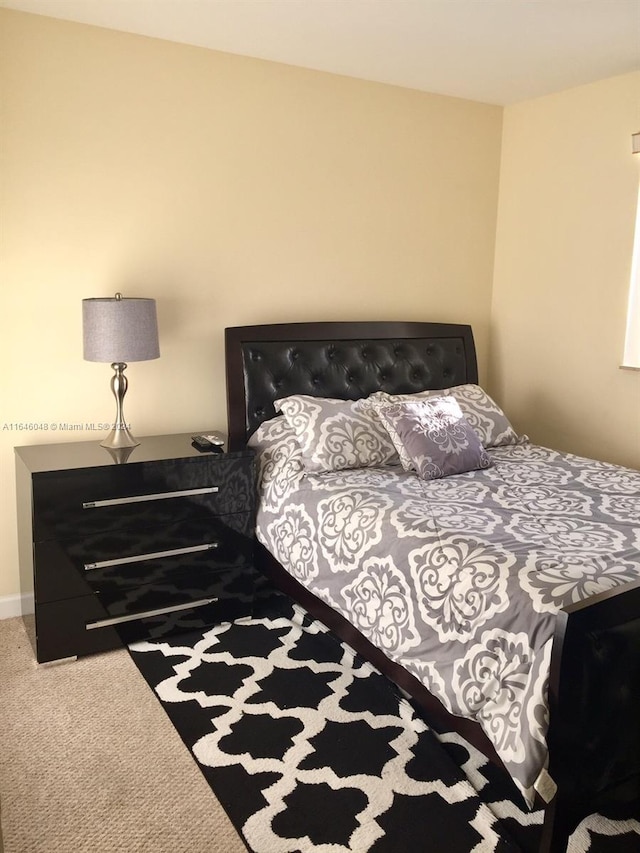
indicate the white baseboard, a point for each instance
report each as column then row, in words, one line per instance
column 15, row 605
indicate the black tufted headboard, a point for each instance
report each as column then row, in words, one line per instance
column 340, row 360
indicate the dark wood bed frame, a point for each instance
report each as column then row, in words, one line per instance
column 594, row 686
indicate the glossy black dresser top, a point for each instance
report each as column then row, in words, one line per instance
column 90, row 454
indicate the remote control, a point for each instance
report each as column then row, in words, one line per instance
column 209, row 442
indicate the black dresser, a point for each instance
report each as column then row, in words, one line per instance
column 116, row 550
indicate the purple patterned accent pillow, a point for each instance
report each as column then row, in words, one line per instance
column 435, row 436
column 482, row 413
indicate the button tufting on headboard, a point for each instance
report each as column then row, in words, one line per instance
column 342, row 360
column 274, row 369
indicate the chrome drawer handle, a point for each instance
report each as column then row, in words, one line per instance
column 158, row 496
column 117, row 620
column 153, row 555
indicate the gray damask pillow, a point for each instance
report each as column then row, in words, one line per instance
column 337, row 434
column 279, row 458
column 433, row 437
column 483, row 414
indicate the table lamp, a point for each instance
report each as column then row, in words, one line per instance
column 119, row 330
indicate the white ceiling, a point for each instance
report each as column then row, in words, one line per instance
column 496, row 51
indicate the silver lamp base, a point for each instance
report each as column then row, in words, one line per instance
column 119, row 436
column 120, row 455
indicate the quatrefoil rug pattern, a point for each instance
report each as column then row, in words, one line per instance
column 308, row 748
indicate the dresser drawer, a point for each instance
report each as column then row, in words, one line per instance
column 80, row 502
column 123, row 557
column 189, row 584
column 76, row 626
column 126, row 603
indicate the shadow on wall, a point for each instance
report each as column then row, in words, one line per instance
column 552, row 424
column 546, row 424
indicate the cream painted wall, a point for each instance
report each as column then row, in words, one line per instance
column 568, row 193
column 232, row 190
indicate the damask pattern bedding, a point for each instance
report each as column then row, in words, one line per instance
column 457, row 579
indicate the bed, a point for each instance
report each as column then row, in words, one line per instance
column 504, row 599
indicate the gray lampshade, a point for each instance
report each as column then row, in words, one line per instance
column 116, row 329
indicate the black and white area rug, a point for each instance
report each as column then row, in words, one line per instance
column 309, row 748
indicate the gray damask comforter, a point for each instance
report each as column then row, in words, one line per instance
column 458, row 579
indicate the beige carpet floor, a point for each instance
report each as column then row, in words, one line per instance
column 90, row 762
